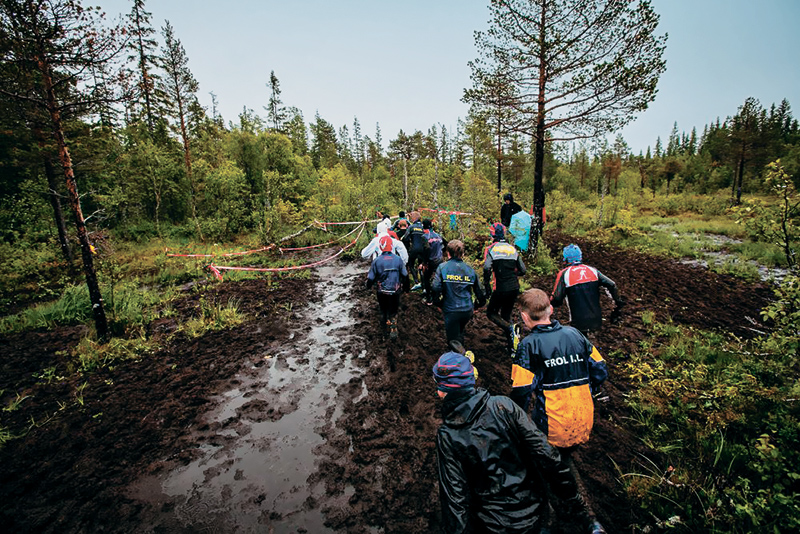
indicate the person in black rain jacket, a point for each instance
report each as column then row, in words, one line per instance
column 492, row 458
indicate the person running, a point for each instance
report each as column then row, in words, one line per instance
column 492, row 458
column 561, row 368
column 435, row 257
column 453, row 286
column 389, row 274
column 373, row 249
column 502, row 268
column 417, row 245
column 401, row 225
column 508, row 209
column 580, row 285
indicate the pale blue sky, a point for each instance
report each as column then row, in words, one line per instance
column 404, row 64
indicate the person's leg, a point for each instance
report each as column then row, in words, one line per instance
column 392, row 306
column 465, row 318
column 452, row 327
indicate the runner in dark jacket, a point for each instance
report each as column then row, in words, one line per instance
column 453, row 286
column 580, row 285
column 435, row 257
column 417, row 245
column 491, row 460
column 508, row 209
column 502, row 268
column 389, row 273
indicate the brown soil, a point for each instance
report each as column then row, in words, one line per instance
column 91, row 466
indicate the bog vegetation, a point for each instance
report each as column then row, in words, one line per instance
column 157, row 171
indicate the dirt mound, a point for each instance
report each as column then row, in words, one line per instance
column 376, row 464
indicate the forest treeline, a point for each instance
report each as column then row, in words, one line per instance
column 149, row 160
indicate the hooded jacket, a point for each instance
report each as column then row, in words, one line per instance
column 491, row 459
column 561, row 367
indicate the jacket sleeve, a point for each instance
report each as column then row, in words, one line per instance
column 521, row 269
column 559, row 290
column 487, row 270
column 609, row 284
column 373, row 272
column 544, row 455
column 598, row 370
column 476, row 287
column 400, row 250
column 367, row 251
column 453, row 488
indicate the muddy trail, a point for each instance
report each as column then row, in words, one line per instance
column 304, row 418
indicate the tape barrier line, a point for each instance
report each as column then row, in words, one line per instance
column 447, row 212
column 317, row 224
column 215, row 269
column 282, row 250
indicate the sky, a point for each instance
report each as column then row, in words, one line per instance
column 404, row 65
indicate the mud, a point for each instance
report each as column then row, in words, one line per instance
column 304, row 418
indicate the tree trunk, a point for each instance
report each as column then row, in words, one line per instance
column 58, row 214
column 499, row 163
column 538, row 165
column 100, row 321
column 405, row 183
column 187, row 158
column 436, row 183
column 741, row 176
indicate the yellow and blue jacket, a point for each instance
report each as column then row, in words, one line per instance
column 560, row 367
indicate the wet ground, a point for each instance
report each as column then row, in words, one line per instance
column 303, row 419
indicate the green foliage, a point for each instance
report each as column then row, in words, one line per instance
column 213, row 316
column 784, row 314
column 719, row 413
column 89, row 355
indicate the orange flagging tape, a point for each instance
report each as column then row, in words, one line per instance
column 448, row 212
column 215, row 269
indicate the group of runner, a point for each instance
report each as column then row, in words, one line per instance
column 491, row 455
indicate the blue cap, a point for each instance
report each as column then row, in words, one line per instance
column 453, row 372
column 572, row 254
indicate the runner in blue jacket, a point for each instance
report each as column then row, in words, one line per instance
column 389, row 273
column 453, row 286
column 435, row 257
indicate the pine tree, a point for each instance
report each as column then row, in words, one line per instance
column 179, row 88
column 276, row 113
column 64, row 44
column 143, row 50
column 580, row 68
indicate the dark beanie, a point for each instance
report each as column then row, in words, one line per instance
column 453, row 372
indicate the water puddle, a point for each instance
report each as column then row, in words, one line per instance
column 717, row 258
column 258, row 444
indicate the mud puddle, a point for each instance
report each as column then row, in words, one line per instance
column 257, row 447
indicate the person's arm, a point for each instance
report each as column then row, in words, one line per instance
column 521, row 269
column 487, row 274
column 476, row 288
column 548, row 459
column 367, row 251
column 372, row 274
column 609, row 284
column 436, row 285
column 598, row 370
column 400, row 250
column 453, row 487
column 559, row 290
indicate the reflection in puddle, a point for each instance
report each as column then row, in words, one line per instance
column 255, row 462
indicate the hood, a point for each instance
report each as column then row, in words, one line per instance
column 462, row 408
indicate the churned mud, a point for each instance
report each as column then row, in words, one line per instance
column 304, row 418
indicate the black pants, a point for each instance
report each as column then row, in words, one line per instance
column 502, row 302
column 427, row 276
column 455, row 324
column 389, row 305
column 414, row 256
